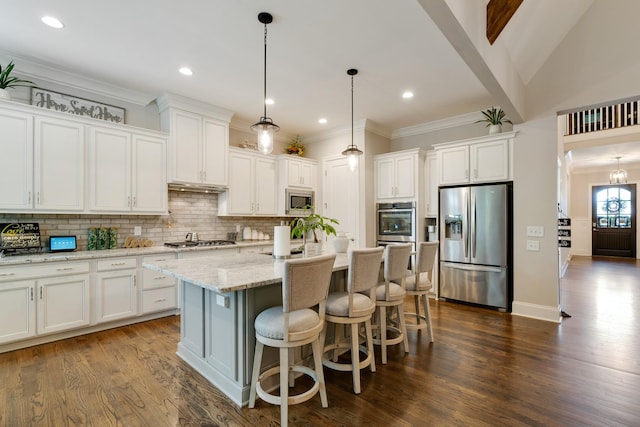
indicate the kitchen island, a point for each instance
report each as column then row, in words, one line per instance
column 221, row 296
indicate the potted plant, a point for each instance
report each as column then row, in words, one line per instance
column 6, row 81
column 308, row 225
column 494, row 117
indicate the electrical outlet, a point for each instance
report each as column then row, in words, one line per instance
column 137, row 230
column 533, row 245
column 535, row 231
column 222, row 300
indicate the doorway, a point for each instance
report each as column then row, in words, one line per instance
column 613, row 220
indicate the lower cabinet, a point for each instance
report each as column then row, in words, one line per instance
column 63, row 303
column 158, row 290
column 116, row 295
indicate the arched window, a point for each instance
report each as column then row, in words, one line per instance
column 613, row 207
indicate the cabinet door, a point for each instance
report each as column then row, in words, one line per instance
column 148, row 174
column 59, row 159
column 241, row 181
column 385, row 178
column 405, row 177
column 265, row 186
column 110, row 170
column 432, row 184
column 115, row 296
column 63, row 303
column 215, row 152
column 186, row 151
column 453, row 165
column 16, row 173
column 300, row 174
column 17, row 310
column 490, row 161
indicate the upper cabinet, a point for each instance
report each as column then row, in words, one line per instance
column 477, row 160
column 252, row 185
column 431, row 175
column 198, row 140
column 126, row 171
column 297, row 172
column 397, row 175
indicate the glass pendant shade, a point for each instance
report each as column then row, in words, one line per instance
column 265, row 128
column 618, row 176
column 352, row 152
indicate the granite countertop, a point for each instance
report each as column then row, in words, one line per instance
column 120, row 252
column 233, row 272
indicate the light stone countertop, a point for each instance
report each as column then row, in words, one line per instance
column 41, row 257
column 231, row 272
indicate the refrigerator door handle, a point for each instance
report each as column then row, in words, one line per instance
column 472, row 267
column 467, row 226
column 473, row 227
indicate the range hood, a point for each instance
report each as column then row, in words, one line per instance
column 197, row 188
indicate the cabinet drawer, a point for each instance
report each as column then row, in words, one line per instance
column 19, row 272
column 158, row 299
column 152, row 279
column 110, row 264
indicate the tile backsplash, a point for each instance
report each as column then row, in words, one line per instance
column 189, row 212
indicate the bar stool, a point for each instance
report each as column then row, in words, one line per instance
column 354, row 309
column 305, row 284
column 390, row 294
column 418, row 284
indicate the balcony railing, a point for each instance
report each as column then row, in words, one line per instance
column 603, row 117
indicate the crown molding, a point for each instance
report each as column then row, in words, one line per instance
column 45, row 72
column 167, row 100
column 450, row 122
column 365, row 125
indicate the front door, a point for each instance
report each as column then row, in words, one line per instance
column 614, row 220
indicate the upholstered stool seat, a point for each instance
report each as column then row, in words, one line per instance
column 305, row 285
column 418, row 283
column 354, row 309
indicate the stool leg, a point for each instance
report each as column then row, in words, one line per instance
column 317, row 360
column 403, row 328
column 367, row 328
column 257, row 360
column 355, row 358
column 416, row 300
column 292, row 378
column 427, row 315
column 383, row 334
column 284, row 386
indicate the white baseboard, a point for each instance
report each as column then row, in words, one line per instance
column 535, row 311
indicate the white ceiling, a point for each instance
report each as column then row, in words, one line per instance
column 139, row 45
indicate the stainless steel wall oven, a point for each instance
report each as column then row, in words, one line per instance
column 396, row 222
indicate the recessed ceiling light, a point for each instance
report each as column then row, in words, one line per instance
column 186, row 71
column 322, row 121
column 52, row 22
column 407, row 95
column 269, row 101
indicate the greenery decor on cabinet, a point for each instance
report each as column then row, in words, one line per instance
column 6, row 81
column 295, row 146
column 302, row 226
column 494, row 117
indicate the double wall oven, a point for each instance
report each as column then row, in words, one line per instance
column 396, row 223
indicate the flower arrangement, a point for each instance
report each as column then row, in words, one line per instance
column 295, row 146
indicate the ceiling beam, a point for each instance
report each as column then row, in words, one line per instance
column 499, row 12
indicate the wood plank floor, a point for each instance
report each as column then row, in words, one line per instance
column 485, row 369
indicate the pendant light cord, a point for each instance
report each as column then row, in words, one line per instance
column 352, row 110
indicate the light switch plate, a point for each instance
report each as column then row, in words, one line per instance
column 535, row 231
column 533, row 245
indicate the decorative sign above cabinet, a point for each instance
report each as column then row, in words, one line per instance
column 77, row 106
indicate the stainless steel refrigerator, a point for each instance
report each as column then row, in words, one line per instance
column 476, row 244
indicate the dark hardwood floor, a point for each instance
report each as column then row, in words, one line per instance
column 484, row 369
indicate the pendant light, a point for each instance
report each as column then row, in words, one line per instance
column 265, row 127
column 352, row 151
column 618, row 176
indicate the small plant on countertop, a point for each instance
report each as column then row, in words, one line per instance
column 7, row 82
column 494, row 116
column 302, row 226
column 295, row 146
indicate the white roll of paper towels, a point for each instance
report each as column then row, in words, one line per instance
column 281, row 241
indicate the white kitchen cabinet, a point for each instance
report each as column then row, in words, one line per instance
column 297, row 172
column 43, row 299
column 44, row 163
column 396, row 175
column 198, row 140
column 115, row 295
column 252, row 185
column 158, row 292
column 431, row 174
column 477, row 160
column 127, row 171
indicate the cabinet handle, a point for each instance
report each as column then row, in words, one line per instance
column 134, row 281
column 29, row 198
column 135, row 201
column 159, row 277
column 38, row 198
column 114, row 264
column 31, row 293
column 160, row 300
column 40, row 293
column 129, row 201
column 64, row 268
column 475, row 173
column 7, row 274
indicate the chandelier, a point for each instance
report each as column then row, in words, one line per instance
column 618, row 176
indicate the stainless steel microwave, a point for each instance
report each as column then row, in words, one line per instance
column 299, row 202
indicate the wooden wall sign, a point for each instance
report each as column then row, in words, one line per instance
column 77, row 106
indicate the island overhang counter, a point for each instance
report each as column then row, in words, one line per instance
column 220, row 296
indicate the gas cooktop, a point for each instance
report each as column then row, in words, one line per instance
column 189, row 243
